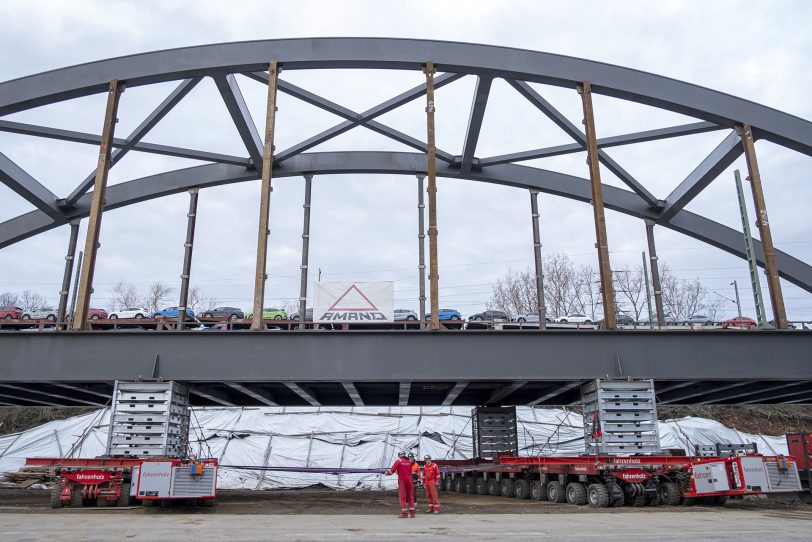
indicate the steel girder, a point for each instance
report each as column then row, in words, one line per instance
column 550, row 182
column 518, row 67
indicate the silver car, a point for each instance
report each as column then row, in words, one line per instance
column 46, row 313
column 530, row 317
column 405, row 314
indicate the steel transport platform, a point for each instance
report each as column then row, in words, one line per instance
column 406, row 368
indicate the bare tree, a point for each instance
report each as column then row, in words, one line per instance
column 587, row 292
column 157, row 295
column 9, row 299
column 630, row 290
column 198, row 302
column 30, row 300
column 515, row 294
column 713, row 307
column 124, row 295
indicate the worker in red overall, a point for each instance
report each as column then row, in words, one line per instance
column 431, row 479
column 403, row 468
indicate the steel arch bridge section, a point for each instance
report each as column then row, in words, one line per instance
column 713, row 110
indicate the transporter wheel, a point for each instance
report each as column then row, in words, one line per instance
column 537, row 491
column 124, row 495
column 555, row 492
column 507, row 488
column 493, row 487
column 576, row 493
column 56, row 493
column 459, row 485
column 669, row 493
column 443, row 483
column 597, row 496
column 687, row 501
column 470, row 485
column 652, row 499
column 522, row 489
column 616, row 496
column 76, row 500
column 481, row 486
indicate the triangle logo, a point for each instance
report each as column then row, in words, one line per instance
column 353, row 300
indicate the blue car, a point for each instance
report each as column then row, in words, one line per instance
column 172, row 312
column 447, row 314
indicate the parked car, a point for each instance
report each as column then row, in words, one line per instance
column 130, row 312
column 446, row 314
column 232, row 313
column 668, row 319
column 405, row 314
column 96, row 314
column 172, row 312
column 530, row 317
column 9, row 313
column 744, row 321
column 490, row 315
column 270, row 314
column 39, row 314
column 698, row 319
column 574, row 319
column 308, row 315
column 621, row 318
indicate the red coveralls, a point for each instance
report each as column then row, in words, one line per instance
column 431, row 477
column 403, row 468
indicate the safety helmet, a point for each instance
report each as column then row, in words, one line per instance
column 411, row 455
column 401, row 454
column 427, row 458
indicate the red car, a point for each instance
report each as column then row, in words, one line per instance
column 745, row 322
column 96, row 314
column 9, row 313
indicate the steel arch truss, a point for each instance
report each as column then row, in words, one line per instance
column 714, row 111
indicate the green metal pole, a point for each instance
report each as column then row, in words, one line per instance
column 751, row 254
column 648, row 292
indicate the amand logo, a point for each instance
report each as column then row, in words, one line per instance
column 353, row 306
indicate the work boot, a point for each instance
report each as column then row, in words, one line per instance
column 436, row 511
column 412, row 514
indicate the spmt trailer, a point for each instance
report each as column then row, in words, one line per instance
column 147, row 456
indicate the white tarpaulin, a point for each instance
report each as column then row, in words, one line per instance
column 354, row 302
column 346, row 437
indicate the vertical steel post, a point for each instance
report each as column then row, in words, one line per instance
column 434, row 278
column 738, row 302
column 187, row 256
column 305, row 251
column 73, row 296
column 648, row 292
column 61, row 311
column 755, row 283
column 770, row 265
column 421, row 242
column 541, row 306
column 265, row 201
column 655, row 273
column 607, row 288
column 97, row 206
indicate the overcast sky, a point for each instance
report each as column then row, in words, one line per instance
column 365, row 227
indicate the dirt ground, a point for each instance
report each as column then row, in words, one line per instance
column 327, row 501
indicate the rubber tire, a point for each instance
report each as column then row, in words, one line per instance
column 113, row 317
column 576, row 493
column 522, row 489
column 8, row 317
column 555, row 492
column 470, row 485
column 521, row 320
column 124, row 495
column 477, row 319
column 76, row 500
column 207, row 315
column 669, row 494
column 56, row 493
column 687, row 501
column 652, row 500
column 26, row 317
column 94, row 317
column 481, row 486
column 51, row 318
column 234, row 317
column 139, row 316
column 588, row 322
column 597, row 496
column 410, row 317
column 507, row 488
column 166, row 503
column 537, row 491
column 565, row 321
column 447, row 484
column 493, row 487
column 277, row 317
column 455, row 317
column 638, row 501
column 459, row 485
column 721, row 500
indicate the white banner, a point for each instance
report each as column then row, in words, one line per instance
column 354, row 302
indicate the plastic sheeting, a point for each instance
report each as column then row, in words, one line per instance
column 360, row 438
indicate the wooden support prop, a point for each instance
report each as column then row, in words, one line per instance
column 434, row 279
column 85, row 288
column 265, row 201
column 540, row 304
column 607, row 288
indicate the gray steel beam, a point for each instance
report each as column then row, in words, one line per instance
column 504, row 391
column 240, row 114
column 82, row 389
column 580, row 137
column 807, row 399
column 404, row 389
column 564, row 388
column 549, row 182
column 62, row 308
column 262, row 396
column 454, row 392
column 778, row 395
column 478, row 105
column 93, row 139
column 303, row 393
column 660, row 389
column 30, row 400
column 726, row 397
column 352, row 391
column 212, row 394
column 138, row 134
column 711, row 167
column 51, row 394
column 27, row 187
column 702, row 391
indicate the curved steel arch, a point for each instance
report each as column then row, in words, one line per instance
column 518, row 67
